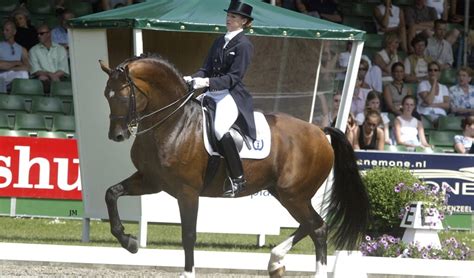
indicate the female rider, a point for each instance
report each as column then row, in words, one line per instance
column 222, row 74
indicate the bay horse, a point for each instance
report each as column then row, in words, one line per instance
column 169, row 155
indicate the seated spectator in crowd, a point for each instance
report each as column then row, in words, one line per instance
column 48, row 59
column 59, row 33
column 438, row 48
column 361, row 89
column 325, row 9
column 441, row 7
column 416, row 64
column 433, row 97
column 373, row 103
column 395, row 91
column 330, row 118
column 452, row 37
column 462, row 94
column 113, row 4
column 14, row 61
column 390, row 19
column 407, row 129
column 388, row 56
column 368, row 135
column 287, row 4
column 419, row 19
column 463, row 143
column 457, row 11
column 25, row 31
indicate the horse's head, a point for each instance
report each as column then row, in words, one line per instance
column 139, row 88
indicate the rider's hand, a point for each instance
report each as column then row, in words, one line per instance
column 187, row 79
column 200, row 82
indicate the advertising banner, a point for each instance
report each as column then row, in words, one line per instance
column 39, row 168
column 453, row 170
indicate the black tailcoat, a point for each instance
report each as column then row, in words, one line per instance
column 225, row 68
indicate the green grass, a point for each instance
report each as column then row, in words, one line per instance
column 160, row 236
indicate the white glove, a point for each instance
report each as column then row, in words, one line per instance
column 187, row 79
column 200, row 82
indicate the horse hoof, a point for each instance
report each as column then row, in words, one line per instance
column 132, row 245
column 277, row 273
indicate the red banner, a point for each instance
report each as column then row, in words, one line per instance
column 39, row 168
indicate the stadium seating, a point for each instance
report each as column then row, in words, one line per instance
column 31, row 87
column 47, row 105
column 443, row 140
column 373, row 41
column 4, row 121
column 64, row 123
column 40, row 6
column 52, row 134
column 61, row 89
column 34, row 122
column 14, row 133
column 7, row 6
column 13, row 103
column 79, row 8
column 448, row 77
column 450, row 123
column 395, row 148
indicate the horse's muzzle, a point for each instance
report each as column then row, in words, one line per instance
column 118, row 133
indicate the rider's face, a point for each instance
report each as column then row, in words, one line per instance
column 235, row 22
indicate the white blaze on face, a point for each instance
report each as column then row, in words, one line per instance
column 111, row 94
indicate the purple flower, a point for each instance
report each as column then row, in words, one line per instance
column 397, row 189
column 367, row 238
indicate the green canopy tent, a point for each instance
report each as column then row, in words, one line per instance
column 288, row 48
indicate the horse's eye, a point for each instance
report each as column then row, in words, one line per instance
column 111, row 94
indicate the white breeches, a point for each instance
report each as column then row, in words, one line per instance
column 226, row 112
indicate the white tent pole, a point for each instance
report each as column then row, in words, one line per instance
column 137, row 42
column 316, row 80
column 349, row 85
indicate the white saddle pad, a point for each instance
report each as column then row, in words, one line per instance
column 260, row 148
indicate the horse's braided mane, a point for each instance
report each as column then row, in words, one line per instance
column 152, row 58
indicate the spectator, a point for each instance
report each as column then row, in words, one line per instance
column 26, row 32
column 438, row 48
column 416, row 64
column 433, row 97
column 395, row 91
column 388, row 56
column 325, row 9
column 48, row 59
column 463, row 143
column 369, row 136
column 113, row 4
column 287, row 4
column 373, row 103
column 419, row 18
column 407, row 129
column 462, row 94
column 361, row 89
column 59, row 7
column 441, row 7
column 14, row 61
column 390, row 18
column 330, row 118
column 59, row 33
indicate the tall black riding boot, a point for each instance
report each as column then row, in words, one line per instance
column 234, row 165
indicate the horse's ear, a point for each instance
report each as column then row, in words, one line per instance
column 105, row 67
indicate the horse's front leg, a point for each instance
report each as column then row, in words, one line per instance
column 188, row 202
column 130, row 186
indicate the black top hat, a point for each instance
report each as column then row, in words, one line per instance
column 237, row 7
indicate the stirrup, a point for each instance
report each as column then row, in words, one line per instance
column 234, row 187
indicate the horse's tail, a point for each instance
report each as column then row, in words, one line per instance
column 348, row 211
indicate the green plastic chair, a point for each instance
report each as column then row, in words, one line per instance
column 7, row 6
column 4, row 121
column 353, row 21
column 364, row 10
column 64, row 123
column 31, row 87
column 404, row 3
column 14, row 133
column 52, row 134
column 24, row 121
column 450, row 123
column 40, row 7
column 13, row 103
column 47, row 105
column 373, row 41
column 442, row 138
column 61, row 89
column 79, row 8
column 448, row 77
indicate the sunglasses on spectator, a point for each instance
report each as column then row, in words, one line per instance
column 42, row 33
column 433, row 70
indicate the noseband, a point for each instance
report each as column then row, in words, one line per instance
column 132, row 117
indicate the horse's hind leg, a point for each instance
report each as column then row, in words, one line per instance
column 128, row 186
column 319, row 237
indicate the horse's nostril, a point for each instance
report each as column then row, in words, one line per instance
column 119, row 138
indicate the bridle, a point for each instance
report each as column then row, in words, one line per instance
column 133, row 118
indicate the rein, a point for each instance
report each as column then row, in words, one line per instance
column 134, row 119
